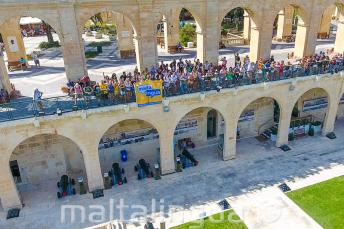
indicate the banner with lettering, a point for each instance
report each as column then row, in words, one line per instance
column 148, row 92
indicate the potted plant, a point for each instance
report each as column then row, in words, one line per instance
column 316, row 126
column 306, row 125
column 273, row 135
column 311, row 131
column 291, row 137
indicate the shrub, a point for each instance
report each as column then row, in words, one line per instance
column 187, row 34
column 91, row 54
column 316, row 123
column 47, row 45
column 291, row 137
column 311, row 131
column 101, row 43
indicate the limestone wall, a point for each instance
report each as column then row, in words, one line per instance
column 47, row 157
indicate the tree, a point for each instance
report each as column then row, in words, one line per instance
column 48, row 30
column 187, row 34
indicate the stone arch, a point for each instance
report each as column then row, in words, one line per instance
column 266, row 122
column 139, row 137
column 53, row 20
column 85, row 15
column 329, row 96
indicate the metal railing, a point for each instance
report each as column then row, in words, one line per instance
column 27, row 108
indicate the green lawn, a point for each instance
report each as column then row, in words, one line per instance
column 224, row 224
column 324, row 202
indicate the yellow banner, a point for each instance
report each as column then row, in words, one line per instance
column 148, row 92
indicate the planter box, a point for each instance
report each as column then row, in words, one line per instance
column 317, row 129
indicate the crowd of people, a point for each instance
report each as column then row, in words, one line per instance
column 6, row 96
column 186, row 76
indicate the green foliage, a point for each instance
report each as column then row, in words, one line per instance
column 233, row 223
column 316, row 123
column 323, row 202
column 311, row 131
column 291, row 137
column 47, row 45
column 187, row 34
column 295, row 112
column 91, row 54
column 101, row 43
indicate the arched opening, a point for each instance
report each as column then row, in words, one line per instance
column 309, row 113
column 236, row 33
column 201, row 133
column 258, row 124
column 109, row 40
column 331, row 31
column 32, row 50
column 289, row 32
column 126, row 144
column 38, row 163
column 190, row 34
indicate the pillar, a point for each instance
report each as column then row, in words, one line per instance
column 260, row 43
column 92, row 166
column 167, row 161
column 124, row 36
column 4, row 79
column 285, row 22
column 13, row 41
column 145, row 41
column 208, row 36
column 283, row 127
column 326, row 19
column 9, row 195
column 171, row 31
column 72, row 44
column 306, row 35
column 229, row 140
column 339, row 44
column 247, row 28
column 331, row 114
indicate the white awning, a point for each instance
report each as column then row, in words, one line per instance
column 29, row 20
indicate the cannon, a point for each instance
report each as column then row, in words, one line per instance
column 143, row 169
column 116, row 175
column 187, row 159
column 65, row 187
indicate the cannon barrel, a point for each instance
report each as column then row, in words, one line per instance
column 189, row 156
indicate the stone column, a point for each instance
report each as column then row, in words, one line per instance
column 171, row 31
column 4, row 79
column 339, row 44
column 326, row 22
column 260, row 43
column 92, row 165
column 306, row 35
column 247, row 28
column 9, row 195
column 167, row 161
column 72, row 44
column 145, row 41
column 229, row 143
column 208, row 36
column 330, row 118
column 124, row 36
column 13, row 41
column 285, row 22
column 283, row 127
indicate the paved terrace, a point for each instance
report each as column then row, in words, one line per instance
column 257, row 166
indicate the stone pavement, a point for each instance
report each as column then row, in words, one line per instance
column 257, row 167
